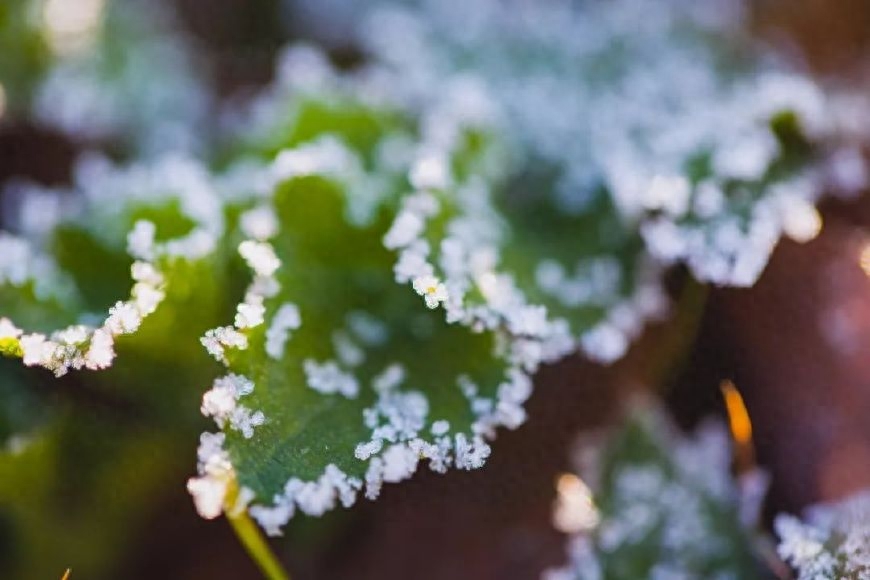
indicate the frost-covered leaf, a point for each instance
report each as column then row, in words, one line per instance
column 661, row 506
column 173, row 217
column 84, row 460
column 705, row 144
column 551, row 282
column 833, row 540
column 339, row 378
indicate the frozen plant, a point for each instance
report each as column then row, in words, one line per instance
column 659, row 505
column 362, row 271
column 832, row 541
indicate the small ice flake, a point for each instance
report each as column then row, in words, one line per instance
column 36, row 349
column 272, row 519
column 124, row 318
column 208, row 495
column 146, row 272
column 140, row 240
column 400, row 463
column 669, row 193
column 470, row 455
column 709, row 199
column 440, row 427
column 221, row 404
column 260, row 256
column 430, row 171
column 747, row 157
column 249, row 314
column 259, row 223
column 431, row 289
column 8, row 330
column 244, row 420
column 73, row 335
column 146, row 298
column 374, row 478
column 528, row 320
column 605, row 343
column 389, row 379
column 364, row 451
column 217, row 339
column 406, row 228
column 328, row 378
column 286, row 318
column 101, row 352
column 412, row 263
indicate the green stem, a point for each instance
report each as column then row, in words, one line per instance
column 256, row 546
column 675, row 346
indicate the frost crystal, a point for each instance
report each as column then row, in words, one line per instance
column 123, row 318
column 140, row 240
column 400, row 462
column 431, row 289
column 250, row 312
column 210, row 488
column 259, row 223
column 217, row 340
column 286, row 319
column 328, row 378
column 221, row 403
column 471, row 454
column 312, row 497
column 405, row 229
column 430, row 171
column 260, row 257
column 101, row 352
column 8, row 330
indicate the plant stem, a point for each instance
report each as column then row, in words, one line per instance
column 252, row 539
column 675, row 346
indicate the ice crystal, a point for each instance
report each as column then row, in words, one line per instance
column 285, row 320
column 218, row 339
column 431, row 289
column 328, row 378
column 310, row 497
column 260, row 257
column 221, row 403
column 78, row 346
column 210, row 487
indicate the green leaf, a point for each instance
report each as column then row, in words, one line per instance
column 357, row 325
column 662, row 501
column 24, row 54
column 552, row 281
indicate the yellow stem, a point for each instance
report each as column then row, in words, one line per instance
column 253, row 540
